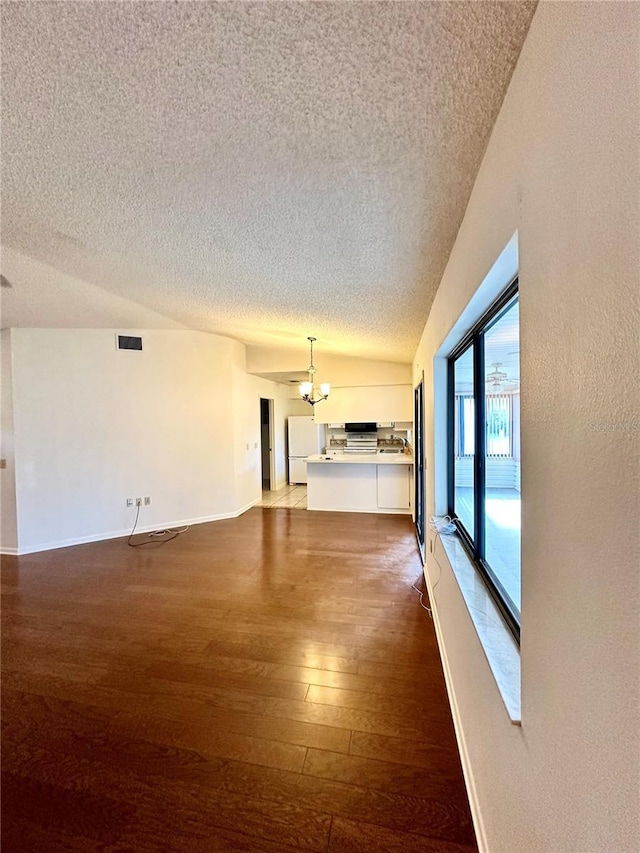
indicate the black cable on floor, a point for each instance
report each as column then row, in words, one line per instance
column 155, row 533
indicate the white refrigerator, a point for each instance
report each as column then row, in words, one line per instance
column 306, row 437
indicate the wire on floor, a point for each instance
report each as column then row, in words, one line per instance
column 422, row 592
column 441, row 525
column 169, row 532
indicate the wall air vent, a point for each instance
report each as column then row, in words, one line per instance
column 129, row 342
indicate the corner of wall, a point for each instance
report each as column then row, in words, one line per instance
column 8, row 504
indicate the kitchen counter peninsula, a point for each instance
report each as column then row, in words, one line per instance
column 376, row 482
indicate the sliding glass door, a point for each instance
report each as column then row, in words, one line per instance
column 418, row 455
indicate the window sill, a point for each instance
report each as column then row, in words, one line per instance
column 500, row 648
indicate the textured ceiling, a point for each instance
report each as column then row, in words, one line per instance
column 264, row 170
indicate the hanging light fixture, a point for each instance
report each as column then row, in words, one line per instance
column 496, row 377
column 307, row 389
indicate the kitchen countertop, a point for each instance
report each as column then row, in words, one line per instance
column 362, row 459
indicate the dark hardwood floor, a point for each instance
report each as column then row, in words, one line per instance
column 267, row 683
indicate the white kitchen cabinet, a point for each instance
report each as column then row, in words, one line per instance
column 341, row 484
column 394, row 490
column 373, row 403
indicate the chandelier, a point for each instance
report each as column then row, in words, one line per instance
column 307, row 389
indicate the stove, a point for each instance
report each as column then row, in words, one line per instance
column 363, row 442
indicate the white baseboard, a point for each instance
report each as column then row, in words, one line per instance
column 242, row 510
column 117, row 534
column 474, row 805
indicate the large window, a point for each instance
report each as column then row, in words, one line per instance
column 484, row 449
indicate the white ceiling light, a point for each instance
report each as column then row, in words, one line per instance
column 307, row 389
column 496, row 377
column 498, row 380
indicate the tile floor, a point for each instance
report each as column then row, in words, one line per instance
column 292, row 497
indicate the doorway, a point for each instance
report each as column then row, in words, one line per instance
column 418, row 420
column 266, row 444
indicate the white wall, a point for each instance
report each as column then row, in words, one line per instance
column 296, row 405
column 278, row 393
column 361, row 389
column 247, row 391
column 8, row 518
column 95, row 425
column 562, row 169
column 336, row 369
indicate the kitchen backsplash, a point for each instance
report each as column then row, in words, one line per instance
column 382, row 442
column 336, row 437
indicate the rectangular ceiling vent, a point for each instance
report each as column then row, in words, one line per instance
column 129, row 342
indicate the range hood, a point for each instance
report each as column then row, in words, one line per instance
column 367, row 426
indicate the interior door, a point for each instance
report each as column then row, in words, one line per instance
column 265, row 443
column 418, row 480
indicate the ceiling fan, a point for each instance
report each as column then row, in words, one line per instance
column 498, row 381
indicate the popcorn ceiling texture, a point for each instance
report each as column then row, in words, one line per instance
column 262, row 170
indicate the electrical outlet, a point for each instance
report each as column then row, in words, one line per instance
column 138, row 501
column 147, row 501
column 129, row 501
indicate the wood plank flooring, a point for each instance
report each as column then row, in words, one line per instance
column 267, row 683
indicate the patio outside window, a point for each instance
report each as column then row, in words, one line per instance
column 484, row 449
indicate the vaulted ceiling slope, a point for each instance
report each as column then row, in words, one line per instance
column 261, row 170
